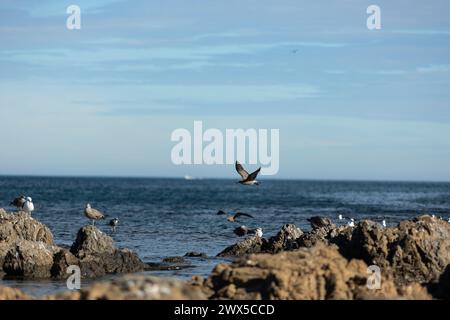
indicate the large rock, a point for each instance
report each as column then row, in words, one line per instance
column 136, row 288
column 29, row 259
column 251, row 244
column 417, row 250
column 15, row 227
column 308, row 273
column 21, row 226
column 98, row 256
column 91, row 241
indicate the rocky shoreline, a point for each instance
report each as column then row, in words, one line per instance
column 329, row 262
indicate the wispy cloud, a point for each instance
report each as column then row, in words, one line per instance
column 423, row 32
column 434, row 68
column 393, row 72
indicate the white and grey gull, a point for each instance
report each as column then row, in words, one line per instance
column 28, row 205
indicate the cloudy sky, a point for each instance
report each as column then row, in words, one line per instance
column 350, row 103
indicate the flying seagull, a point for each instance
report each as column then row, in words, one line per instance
column 319, row 222
column 93, row 214
column 18, row 202
column 28, row 205
column 247, row 179
column 233, row 218
column 113, row 224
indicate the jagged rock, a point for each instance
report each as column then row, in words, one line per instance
column 98, row 256
column 61, row 261
column 29, row 259
column 284, row 240
column 195, row 254
column 251, row 244
column 91, row 241
column 136, row 288
column 21, row 226
column 417, row 250
column 307, row 273
column 15, row 227
column 120, row 261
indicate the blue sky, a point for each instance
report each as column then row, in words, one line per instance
column 350, row 103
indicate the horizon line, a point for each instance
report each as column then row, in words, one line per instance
column 192, row 178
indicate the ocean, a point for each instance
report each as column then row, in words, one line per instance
column 169, row 217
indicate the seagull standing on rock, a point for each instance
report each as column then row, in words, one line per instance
column 28, row 205
column 247, row 179
column 351, row 223
column 93, row 214
column 18, row 202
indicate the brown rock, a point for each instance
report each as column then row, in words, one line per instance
column 29, row 259
column 61, row 261
column 98, row 256
column 284, row 240
column 136, row 288
column 308, row 273
column 251, row 244
column 13, row 294
column 15, row 227
column 416, row 250
column 91, row 241
column 20, row 226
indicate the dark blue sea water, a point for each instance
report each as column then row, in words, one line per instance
column 169, row 217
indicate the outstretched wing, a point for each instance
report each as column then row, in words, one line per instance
column 253, row 175
column 238, row 214
column 221, row 212
column 240, row 169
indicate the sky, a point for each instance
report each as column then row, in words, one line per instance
column 350, row 103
